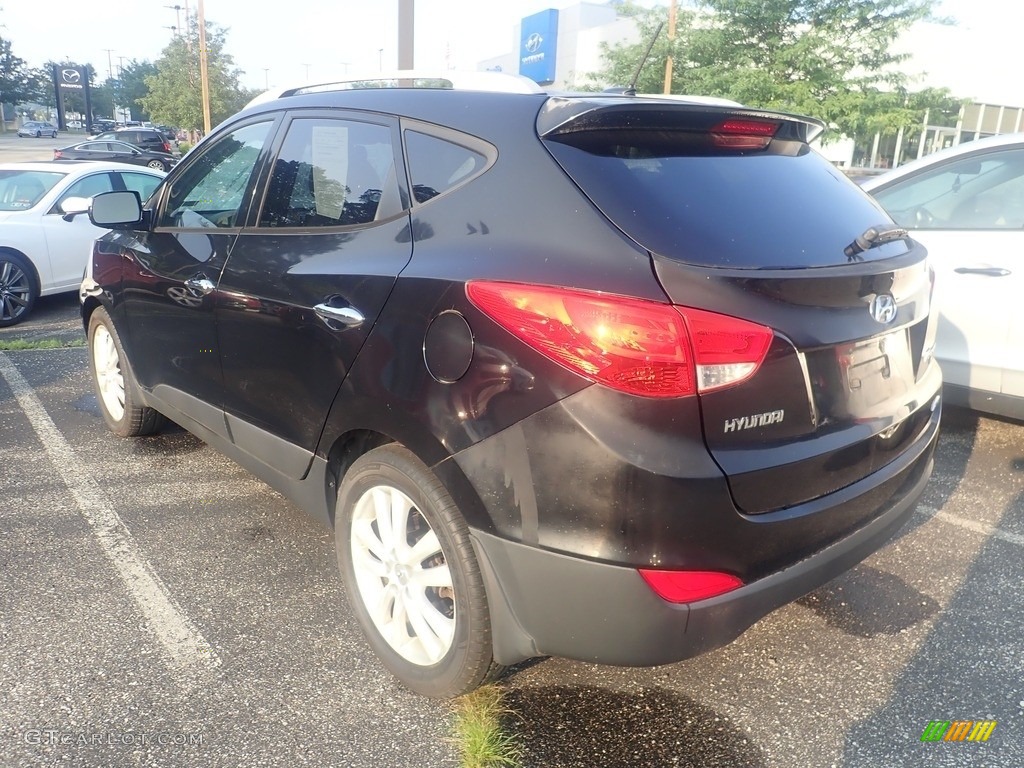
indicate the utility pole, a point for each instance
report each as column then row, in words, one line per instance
column 204, row 75
column 406, row 14
column 671, row 40
column 110, row 64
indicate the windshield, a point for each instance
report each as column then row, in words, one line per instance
column 21, row 190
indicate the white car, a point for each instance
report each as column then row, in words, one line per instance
column 966, row 205
column 40, row 252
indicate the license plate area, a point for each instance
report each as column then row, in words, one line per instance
column 861, row 380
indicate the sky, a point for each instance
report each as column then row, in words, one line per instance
column 286, row 42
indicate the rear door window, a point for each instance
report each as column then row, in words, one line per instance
column 330, row 173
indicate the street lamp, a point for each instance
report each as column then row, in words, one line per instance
column 177, row 10
column 266, row 75
column 380, row 59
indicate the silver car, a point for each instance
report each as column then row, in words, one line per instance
column 38, row 129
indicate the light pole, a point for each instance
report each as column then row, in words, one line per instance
column 380, row 59
column 266, row 76
column 177, row 10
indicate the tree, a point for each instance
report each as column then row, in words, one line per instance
column 16, row 83
column 175, row 93
column 832, row 59
column 132, row 88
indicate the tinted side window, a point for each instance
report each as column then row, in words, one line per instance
column 142, row 183
column 211, row 190
column 88, row 187
column 979, row 192
column 436, row 165
column 331, row 173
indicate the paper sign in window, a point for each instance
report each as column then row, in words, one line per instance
column 330, row 169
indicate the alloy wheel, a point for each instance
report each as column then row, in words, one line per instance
column 109, row 378
column 402, row 576
column 15, row 292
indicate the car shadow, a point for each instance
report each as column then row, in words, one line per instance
column 970, row 667
column 653, row 728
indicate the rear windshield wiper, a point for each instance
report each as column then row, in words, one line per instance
column 872, row 238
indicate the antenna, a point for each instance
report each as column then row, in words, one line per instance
column 631, row 88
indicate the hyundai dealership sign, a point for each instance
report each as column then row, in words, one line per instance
column 538, row 45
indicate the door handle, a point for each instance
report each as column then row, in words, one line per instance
column 349, row 317
column 987, row 271
column 201, row 285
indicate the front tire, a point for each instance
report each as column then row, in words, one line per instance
column 116, row 388
column 18, row 291
column 411, row 575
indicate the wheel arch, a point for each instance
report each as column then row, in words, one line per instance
column 348, row 445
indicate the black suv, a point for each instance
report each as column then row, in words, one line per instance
column 598, row 376
column 144, row 138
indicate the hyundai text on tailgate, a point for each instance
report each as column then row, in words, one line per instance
column 598, row 376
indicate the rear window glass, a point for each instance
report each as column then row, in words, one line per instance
column 786, row 207
column 437, row 165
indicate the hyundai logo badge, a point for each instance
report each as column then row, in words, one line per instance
column 883, row 308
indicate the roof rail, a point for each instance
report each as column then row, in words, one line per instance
column 449, row 79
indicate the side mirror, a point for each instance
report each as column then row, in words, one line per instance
column 116, row 210
column 72, row 206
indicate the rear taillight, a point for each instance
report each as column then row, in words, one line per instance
column 727, row 350
column 167, row 148
column 689, row 586
column 632, row 345
column 743, row 134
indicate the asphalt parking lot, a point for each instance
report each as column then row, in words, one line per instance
column 161, row 606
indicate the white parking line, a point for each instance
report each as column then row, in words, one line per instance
column 971, row 525
column 187, row 650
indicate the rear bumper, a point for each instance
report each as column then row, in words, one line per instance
column 549, row 603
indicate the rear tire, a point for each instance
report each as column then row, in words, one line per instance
column 116, row 388
column 157, row 165
column 412, row 577
column 18, row 289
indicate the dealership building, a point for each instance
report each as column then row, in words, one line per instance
column 561, row 48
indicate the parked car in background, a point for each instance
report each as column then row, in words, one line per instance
column 598, row 376
column 966, row 205
column 40, row 253
column 38, row 129
column 116, row 151
column 171, row 134
column 101, row 125
column 144, row 138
